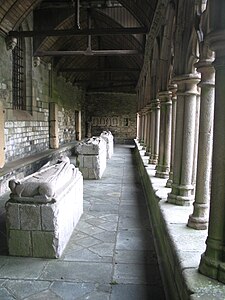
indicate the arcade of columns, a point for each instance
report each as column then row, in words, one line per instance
column 181, row 117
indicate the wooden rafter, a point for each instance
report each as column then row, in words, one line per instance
column 80, row 32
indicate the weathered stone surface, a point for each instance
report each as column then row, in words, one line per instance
column 13, row 218
column 48, row 219
column 45, row 226
column 30, row 217
column 108, row 137
column 44, row 244
column 92, row 157
column 19, row 243
column 44, row 185
column 92, row 146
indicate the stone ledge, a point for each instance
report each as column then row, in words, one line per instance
column 179, row 247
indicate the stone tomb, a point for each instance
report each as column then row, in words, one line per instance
column 43, row 210
column 91, row 158
column 108, row 137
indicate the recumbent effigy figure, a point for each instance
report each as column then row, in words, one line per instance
column 45, row 184
column 44, row 209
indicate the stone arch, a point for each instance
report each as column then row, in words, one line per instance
column 193, row 52
column 155, row 68
column 184, row 38
column 166, row 51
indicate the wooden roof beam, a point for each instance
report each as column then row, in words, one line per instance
column 80, row 32
column 87, row 53
column 104, row 70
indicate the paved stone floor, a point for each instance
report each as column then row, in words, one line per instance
column 110, row 255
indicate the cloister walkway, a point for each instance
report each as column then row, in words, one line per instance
column 111, row 254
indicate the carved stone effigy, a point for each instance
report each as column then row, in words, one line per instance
column 91, row 158
column 108, row 137
column 43, row 210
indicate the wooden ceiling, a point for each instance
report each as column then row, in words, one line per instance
column 98, row 44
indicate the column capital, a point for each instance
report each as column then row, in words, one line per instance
column 187, row 84
column 165, row 97
column 207, row 70
column 216, row 40
column 186, row 78
column 173, row 88
column 155, row 104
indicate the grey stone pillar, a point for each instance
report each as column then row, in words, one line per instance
column 173, row 89
column 213, row 260
column 197, row 117
column 141, row 128
column 199, row 218
column 163, row 166
column 155, row 149
column 148, row 131
column 2, row 136
column 182, row 188
column 53, row 125
column 138, row 126
column 145, row 127
column 152, row 132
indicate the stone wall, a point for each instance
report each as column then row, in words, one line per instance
column 114, row 112
column 23, row 137
column 27, row 131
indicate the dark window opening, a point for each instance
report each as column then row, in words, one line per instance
column 126, row 121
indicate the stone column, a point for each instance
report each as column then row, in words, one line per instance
column 142, row 127
column 213, row 260
column 2, row 136
column 152, row 133
column 197, row 117
column 163, row 166
column 199, row 218
column 155, row 150
column 182, row 188
column 53, row 120
column 148, row 131
column 138, row 126
column 173, row 89
column 145, row 127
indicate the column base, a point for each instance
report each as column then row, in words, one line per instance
column 153, row 159
column 147, row 152
column 162, row 171
column 181, row 195
column 170, row 180
column 169, row 183
column 199, row 223
column 209, row 267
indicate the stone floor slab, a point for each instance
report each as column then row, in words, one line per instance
column 136, row 274
column 134, row 240
column 22, row 268
column 25, row 288
column 134, row 292
column 110, row 255
column 78, row 271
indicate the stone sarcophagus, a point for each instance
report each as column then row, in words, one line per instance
column 91, row 157
column 108, row 137
column 43, row 210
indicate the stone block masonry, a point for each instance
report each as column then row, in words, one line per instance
column 92, row 157
column 40, row 218
column 23, row 137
